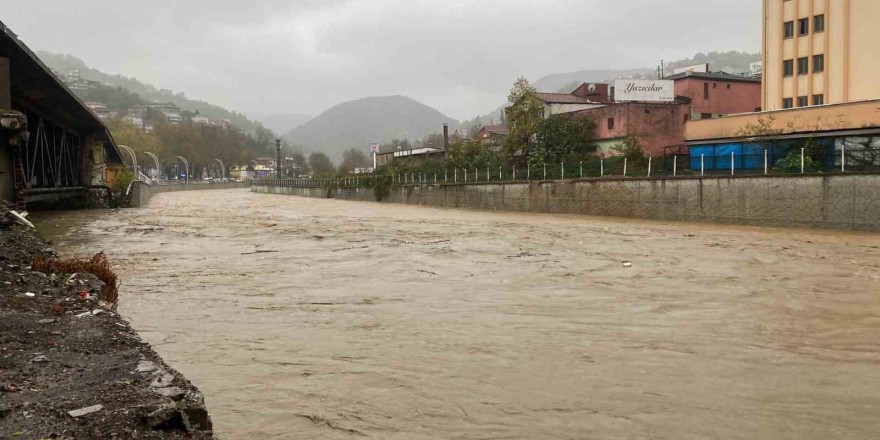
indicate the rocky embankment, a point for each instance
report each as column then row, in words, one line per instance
column 70, row 367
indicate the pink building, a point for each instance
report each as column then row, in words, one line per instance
column 658, row 125
column 661, row 125
column 717, row 94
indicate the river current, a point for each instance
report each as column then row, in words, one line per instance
column 312, row 318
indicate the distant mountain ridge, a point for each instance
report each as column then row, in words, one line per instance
column 284, row 123
column 356, row 124
column 61, row 63
column 733, row 61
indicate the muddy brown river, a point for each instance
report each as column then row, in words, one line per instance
column 310, row 318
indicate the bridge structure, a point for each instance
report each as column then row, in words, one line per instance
column 51, row 145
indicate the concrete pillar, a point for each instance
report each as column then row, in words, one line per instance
column 7, row 191
column 5, row 85
column 6, row 178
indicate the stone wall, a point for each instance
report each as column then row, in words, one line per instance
column 141, row 193
column 834, row 201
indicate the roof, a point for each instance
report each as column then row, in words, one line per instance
column 35, row 87
column 497, row 129
column 562, row 98
column 716, row 76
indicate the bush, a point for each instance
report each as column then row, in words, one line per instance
column 121, row 181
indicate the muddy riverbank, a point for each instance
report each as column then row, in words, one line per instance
column 71, row 368
column 311, row 318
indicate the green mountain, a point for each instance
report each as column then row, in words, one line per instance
column 62, row 63
column 357, row 124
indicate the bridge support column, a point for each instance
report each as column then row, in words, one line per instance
column 5, row 85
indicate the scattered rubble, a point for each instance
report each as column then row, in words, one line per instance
column 70, row 367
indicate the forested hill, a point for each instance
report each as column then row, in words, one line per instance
column 356, row 124
column 61, row 63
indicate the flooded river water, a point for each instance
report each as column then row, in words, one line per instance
column 310, row 318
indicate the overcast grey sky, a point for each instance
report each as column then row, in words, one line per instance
column 304, row 56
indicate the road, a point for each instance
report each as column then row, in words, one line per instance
column 310, row 318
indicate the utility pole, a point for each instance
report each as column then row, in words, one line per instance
column 446, row 140
column 278, row 158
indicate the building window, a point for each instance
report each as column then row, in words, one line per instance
column 611, row 123
column 804, row 26
column 819, row 23
column 789, row 29
column 705, row 90
column 803, row 66
column 818, row 63
column 787, row 103
column 788, row 67
column 818, row 99
column 802, row 101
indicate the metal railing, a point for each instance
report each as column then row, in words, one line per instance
column 787, row 162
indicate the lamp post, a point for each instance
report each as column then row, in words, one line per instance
column 222, row 168
column 278, row 158
column 156, row 160
column 134, row 161
column 186, row 166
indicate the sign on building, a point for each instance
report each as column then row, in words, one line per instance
column 756, row 68
column 699, row 68
column 627, row 90
column 374, row 148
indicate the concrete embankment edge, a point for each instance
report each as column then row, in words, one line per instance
column 141, row 193
column 833, row 201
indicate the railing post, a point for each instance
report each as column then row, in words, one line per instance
column 456, row 175
column 514, row 173
column 562, row 165
column 582, row 168
column 625, row 163
column 528, row 171
column 445, row 176
column 766, row 161
column 545, row 170
column 732, row 158
column 702, row 165
column 674, row 166
column 649, row 165
column 601, row 167
column 500, row 174
column 843, row 158
column 802, row 160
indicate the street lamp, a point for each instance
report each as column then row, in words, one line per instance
column 156, row 160
column 186, row 165
column 134, row 161
column 222, row 168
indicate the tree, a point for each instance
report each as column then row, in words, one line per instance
column 354, row 158
column 562, row 139
column 523, row 118
column 471, row 155
column 301, row 163
column 392, row 146
column 433, row 140
column 631, row 149
column 321, row 164
column 128, row 134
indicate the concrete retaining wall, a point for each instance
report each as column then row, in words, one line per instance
column 838, row 202
column 141, row 193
